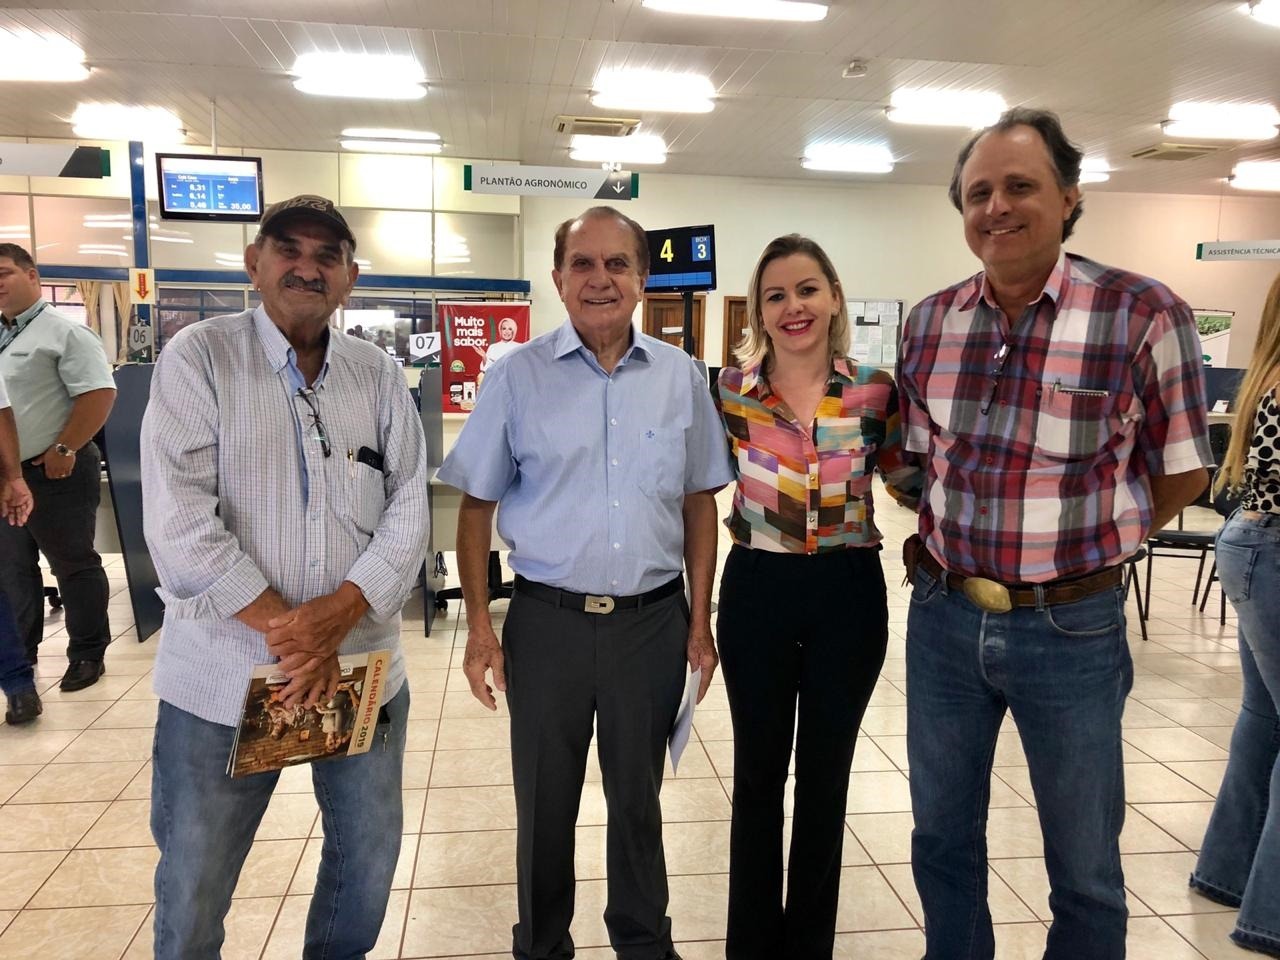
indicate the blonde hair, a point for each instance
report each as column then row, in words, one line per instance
column 755, row 348
column 1264, row 371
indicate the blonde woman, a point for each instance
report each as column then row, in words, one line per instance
column 1239, row 861
column 802, row 618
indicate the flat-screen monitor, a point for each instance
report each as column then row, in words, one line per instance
column 204, row 187
column 682, row 258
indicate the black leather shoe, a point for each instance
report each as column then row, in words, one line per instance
column 81, row 674
column 23, row 707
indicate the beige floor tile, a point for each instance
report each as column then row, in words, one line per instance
column 1140, row 835
column 713, row 724
column 471, row 768
column 58, row 782
column 1195, row 712
column 466, row 734
column 1220, row 735
column 416, row 774
column 14, row 776
column 86, row 933
column 139, row 788
column 70, row 715
column 289, row 815
column 463, row 705
column 1020, row 941
column 93, row 745
column 141, row 690
column 867, row 756
column 49, row 826
column 878, row 792
column 128, row 713
column 111, row 687
column 885, row 836
column 421, row 735
column 475, row 808
column 475, row 858
column 247, row 924
column 868, row 902
column 703, row 847
column 126, row 823
column 1209, row 933
column 1175, row 743
column 1184, row 821
column 1156, row 783
column 1139, row 716
column 269, row 868
column 720, row 753
column 885, row 721
column 1160, row 880
column 425, row 704
column 23, row 875
column 1026, row 877
column 31, row 743
column 1151, row 938
column 1205, row 774
column 1003, row 903
column 700, row 799
column 450, row 921
column 1218, row 685
column 877, row 945
column 1014, row 833
column 100, row 878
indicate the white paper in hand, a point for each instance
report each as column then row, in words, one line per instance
column 679, row 737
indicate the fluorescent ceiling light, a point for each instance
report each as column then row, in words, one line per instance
column 1256, row 175
column 115, row 121
column 1222, row 121
column 1264, row 11
column 1094, row 170
column 376, row 76
column 654, row 90
column 35, row 58
column 637, row 148
column 848, row 157
column 743, row 9
column 384, row 133
column 945, row 108
column 391, row 146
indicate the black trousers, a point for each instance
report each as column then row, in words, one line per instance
column 802, row 640
column 61, row 527
column 566, row 669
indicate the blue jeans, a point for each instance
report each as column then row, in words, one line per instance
column 16, row 674
column 1239, row 861
column 1064, row 672
column 204, row 822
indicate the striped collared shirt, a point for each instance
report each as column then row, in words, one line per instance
column 225, row 516
column 1041, row 435
column 806, row 488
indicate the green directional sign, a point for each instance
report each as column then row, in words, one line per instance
column 54, row 160
column 513, row 178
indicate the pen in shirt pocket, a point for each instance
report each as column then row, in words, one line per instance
column 1077, row 391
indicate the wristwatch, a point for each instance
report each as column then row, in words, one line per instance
column 62, row 450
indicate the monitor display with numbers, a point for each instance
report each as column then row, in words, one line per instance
column 682, row 259
column 203, row 187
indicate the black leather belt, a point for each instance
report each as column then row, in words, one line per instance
column 595, row 603
column 996, row 597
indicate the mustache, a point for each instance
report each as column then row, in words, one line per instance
column 297, row 283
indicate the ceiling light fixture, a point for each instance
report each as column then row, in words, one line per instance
column 373, row 76
column 36, row 58
column 1264, row 11
column 1256, row 175
column 1094, row 170
column 637, row 148
column 420, row 147
column 945, row 108
column 116, row 121
column 384, row 133
column 848, row 158
column 744, row 9
column 1222, row 121
column 654, row 90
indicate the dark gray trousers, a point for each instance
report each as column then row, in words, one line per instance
column 61, row 527
column 626, row 671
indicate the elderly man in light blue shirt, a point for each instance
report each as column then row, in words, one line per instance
column 284, row 481
column 602, row 451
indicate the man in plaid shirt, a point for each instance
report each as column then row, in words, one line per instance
column 1059, row 407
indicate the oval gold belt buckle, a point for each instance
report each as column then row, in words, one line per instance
column 988, row 595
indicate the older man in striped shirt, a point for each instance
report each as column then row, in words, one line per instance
column 285, row 485
column 1059, row 406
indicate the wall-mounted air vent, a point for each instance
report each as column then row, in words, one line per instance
column 596, row 126
column 1176, row 151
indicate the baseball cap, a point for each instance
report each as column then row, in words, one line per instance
column 306, row 206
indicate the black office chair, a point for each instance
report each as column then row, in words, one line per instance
column 1131, row 580
column 55, row 601
column 499, row 589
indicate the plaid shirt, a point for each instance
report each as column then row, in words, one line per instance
column 807, row 489
column 1041, row 439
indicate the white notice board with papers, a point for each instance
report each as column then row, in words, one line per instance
column 875, row 326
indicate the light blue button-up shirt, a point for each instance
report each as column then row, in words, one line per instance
column 590, row 469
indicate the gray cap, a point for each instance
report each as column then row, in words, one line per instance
column 305, row 206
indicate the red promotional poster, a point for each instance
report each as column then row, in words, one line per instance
column 476, row 336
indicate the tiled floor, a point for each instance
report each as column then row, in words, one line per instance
column 76, row 855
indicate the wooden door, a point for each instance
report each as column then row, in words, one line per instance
column 664, row 318
column 735, row 326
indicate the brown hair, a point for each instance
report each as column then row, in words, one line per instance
column 756, row 348
column 642, row 242
column 21, row 259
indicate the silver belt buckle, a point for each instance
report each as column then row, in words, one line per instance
column 988, row 595
column 599, row 604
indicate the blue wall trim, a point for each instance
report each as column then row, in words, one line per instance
column 382, row 281
column 83, row 273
